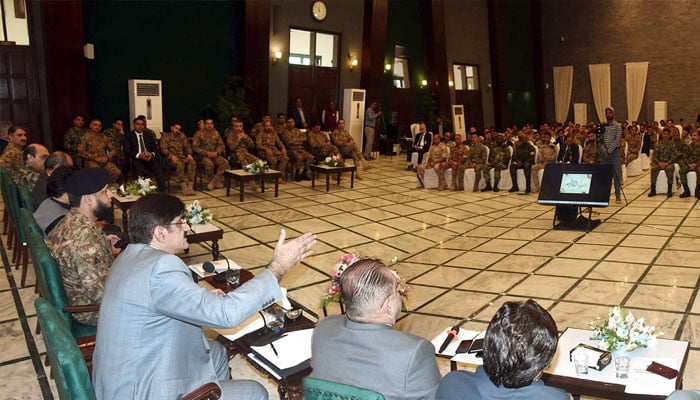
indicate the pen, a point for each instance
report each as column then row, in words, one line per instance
column 274, row 349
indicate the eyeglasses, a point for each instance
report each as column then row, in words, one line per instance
column 178, row 222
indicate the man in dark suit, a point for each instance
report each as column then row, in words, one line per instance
column 141, row 148
column 568, row 153
column 299, row 115
column 441, row 126
column 421, row 145
column 360, row 348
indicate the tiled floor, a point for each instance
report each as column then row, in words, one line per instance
column 463, row 253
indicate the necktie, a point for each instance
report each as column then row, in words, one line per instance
column 142, row 144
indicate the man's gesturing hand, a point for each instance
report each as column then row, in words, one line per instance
column 289, row 254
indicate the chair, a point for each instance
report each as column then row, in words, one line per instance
column 20, row 255
column 26, row 198
column 662, row 180
column 506, row 182
column 320, row 389
column 634, row 168
column 692, row 182
column 520, row 172
column 646, row 160
column 68, row 367
column 623, row 166
column 431, row 178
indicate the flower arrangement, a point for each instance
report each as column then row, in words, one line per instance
column 334, row 161
column 141, row 186
column 334, row 294
column 195, row 214
column 258, row 167
column 623, row 331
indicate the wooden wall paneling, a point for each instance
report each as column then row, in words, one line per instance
column 436, row 49
column 374, row 33
column 497, row 48
column 257, row 55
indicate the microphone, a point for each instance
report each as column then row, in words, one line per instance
column 209, row 267
column 451, row 335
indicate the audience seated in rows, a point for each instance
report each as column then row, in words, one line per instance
column 53, row 161
column 177, row 152
column 210, row 148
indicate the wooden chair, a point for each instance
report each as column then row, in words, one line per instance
column 68, row 367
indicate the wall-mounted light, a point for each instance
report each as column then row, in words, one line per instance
column 546, row 85
column 352, row 62
column 276, row 57
column 423, row 83
column 450, row 84
column 387, row 67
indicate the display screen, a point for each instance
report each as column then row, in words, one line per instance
column 572, row 183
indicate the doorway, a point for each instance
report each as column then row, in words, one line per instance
column 468, row 93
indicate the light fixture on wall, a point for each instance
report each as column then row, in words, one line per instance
column 352, row 62
column 387, row 67
column 423, row 83
column 276, row 57
column 450, row 83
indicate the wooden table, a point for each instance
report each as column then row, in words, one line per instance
column 603, row 383
column 288, row 385
column 243, row 176
column 124, row 204
column 204, row 233
column 324, row 169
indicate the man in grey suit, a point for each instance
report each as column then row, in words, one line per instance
column 149, row 341
column 361, row 349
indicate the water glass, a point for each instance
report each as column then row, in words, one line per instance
column 233, row 277
column 274, row 317
column 622, row 367
column 581, row 363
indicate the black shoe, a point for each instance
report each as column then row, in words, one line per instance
column 513, row 189
column 297, row 176
column 652, row 193
column 686, row 191
column 305, row 175
column 670, row 190
column 409, row 168
column 488, row 188
column 496, row 189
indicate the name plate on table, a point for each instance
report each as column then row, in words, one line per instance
column 597, row 358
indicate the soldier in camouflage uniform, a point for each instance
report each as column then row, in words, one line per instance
column 296, row 142
column 228, row 131
column 240, row 146
column 664, row 156
column 260, row 127
column 458, row 154
column 96, row 150
column 116, row 136
column 590, row 151
column 347, row 147
column 523, row 157
column 11, row 159
column 498, row 160
column 281, row 126
column 547, row 154
column 271, row 149
column 71, row 140
column 83, row 253
column 634, row 144
column 33, row 166
column 321, row 146
column 477, row 159
column 437, row 159
column 690, row 162
column 177, row 150
column 209, row 145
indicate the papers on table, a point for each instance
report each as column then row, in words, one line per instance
column 219, row 266
column 293, row 349
column 252, row 324
column 452, row 347
column 642, row 382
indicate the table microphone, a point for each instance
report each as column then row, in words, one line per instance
column 451, row 335
column 209, row 267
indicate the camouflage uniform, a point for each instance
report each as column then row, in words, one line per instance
column 590, row 152
column 691, row 155
column 498, row 159
column 117, row 140
column 296, row 141
column 211, row 141
column 634, row 144
column 523, row 153
column 11, row 160
column 84, row 256
column 341, row 140
column 241, row 149
column 93, row 145
column 257, row 129
column 547, row 154
column 477, row 156
column 458, row 154
column 71, row 141
column 269, row 141
column 435, row 154
column 665, row 151
column 28, row 177
column 176, row 144
column 320, row 148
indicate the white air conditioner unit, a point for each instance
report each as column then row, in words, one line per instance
column 354, row 114
column 459, row 126
column 146, row 98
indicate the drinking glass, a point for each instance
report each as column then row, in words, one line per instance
column 622, row 367
column 581, row 363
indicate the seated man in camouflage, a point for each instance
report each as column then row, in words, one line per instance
column 477, row 159
column 690, row 162
column 11, row 159
column 177, row 150
column 296, row 142
column 271, row 149
column 240, row 146
column 665, row 155
column 83, row 253
column 33, row 166
column 547, row 154
column 71, row 140
column 321, row 146
column 437, row 160
column 458, row 154
column 209, row 145
column 498, row 160
column 634, row 144
column 523, row 157
column 117, row 136
column 348, row 148
column 96, row 150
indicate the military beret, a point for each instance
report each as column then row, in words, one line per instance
column 609, row 108
column 87, row 181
